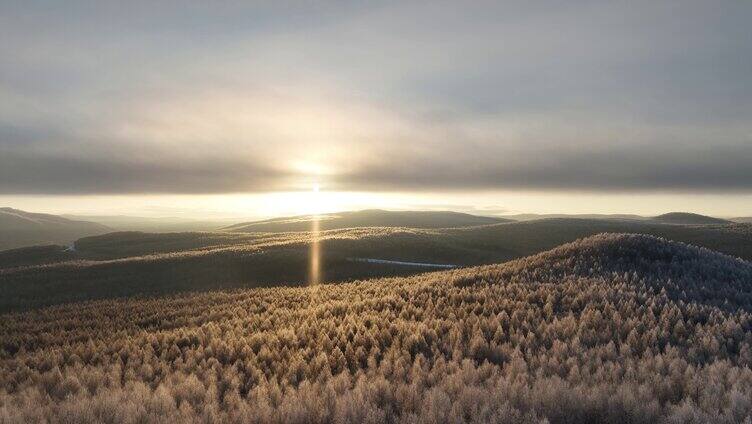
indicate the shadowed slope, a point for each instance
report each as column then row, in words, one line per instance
column 35, row 255
column 686, row 218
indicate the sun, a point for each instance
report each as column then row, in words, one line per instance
column 316, row 202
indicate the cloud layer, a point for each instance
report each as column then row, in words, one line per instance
column 101, row 98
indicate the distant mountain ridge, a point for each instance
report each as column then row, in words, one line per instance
column 683, row 218
column 534, row 216
column 20, row 228
column 368, row 218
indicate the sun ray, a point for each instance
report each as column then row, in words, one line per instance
column 314, row 269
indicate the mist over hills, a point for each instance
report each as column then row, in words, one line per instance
column 612, row 328
column 447, row 219
column 19, row 228
column 153, row 224
column 368, row 218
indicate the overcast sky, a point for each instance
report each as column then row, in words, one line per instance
column 209, row 98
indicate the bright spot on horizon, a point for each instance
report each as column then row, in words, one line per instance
column 316, row 187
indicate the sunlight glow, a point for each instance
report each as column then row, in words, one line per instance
column 314, row 259
column 314, row 269
column 238, row 207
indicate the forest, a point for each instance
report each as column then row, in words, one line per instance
column 126, row 264
column 611, row 328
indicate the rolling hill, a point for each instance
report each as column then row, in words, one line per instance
column 19, row 228
column 127, row 264
column 677, row 270
column 609, row 329
column 686, row 218
column 368, row 218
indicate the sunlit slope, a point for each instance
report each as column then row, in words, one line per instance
column 126, row 264
column 20, row 228
column 610, row 329
column 368, row 218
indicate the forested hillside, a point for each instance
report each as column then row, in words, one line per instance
column 612, row 328
column 131, row 263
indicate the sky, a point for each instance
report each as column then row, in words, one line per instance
column 241, row 108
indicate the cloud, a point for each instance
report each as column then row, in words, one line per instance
column 650, row 169
column 399, row 96
column 38, row 174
